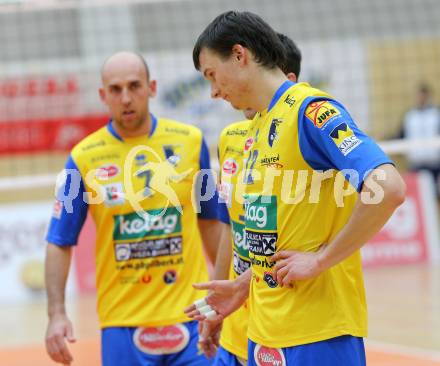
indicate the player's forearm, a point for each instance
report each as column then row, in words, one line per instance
column 224, row 254
column 242, row 283
column 366, row 219
column 210, row 231
column 56, row 272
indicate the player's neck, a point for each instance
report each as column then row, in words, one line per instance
column 142, row 130
column 265, row 86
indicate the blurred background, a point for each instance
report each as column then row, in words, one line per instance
column 379, row 58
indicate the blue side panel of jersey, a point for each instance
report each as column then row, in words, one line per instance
column 322, row 148
column 223, row 213
column 208, row 209
column 65, row 228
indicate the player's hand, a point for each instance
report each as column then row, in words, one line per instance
column 224, row 298
column 209, row 337
column 292, row 265
column 58, row 330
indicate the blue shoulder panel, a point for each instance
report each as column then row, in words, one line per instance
column 70, row 209
column 329, row 139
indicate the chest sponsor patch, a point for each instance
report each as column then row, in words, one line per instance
column 344, row 138
column 106, row 172
column 230, row 167
column 319, row 113
column 113, row 194
column 265, row 356
column 161, row 340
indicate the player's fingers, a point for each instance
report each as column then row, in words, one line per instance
column 69, row 334
column 205, row 285
column 53, row 350
column 280, row 274
column 63, row 350
column 280, row 255
column 280, row 264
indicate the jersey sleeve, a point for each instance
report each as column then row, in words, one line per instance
column 329, row 139
column 208, row 208
column 70, row 208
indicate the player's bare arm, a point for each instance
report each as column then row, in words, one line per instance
column 59, row 328
column 366, row 220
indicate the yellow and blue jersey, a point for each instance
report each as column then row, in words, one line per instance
column 231, row 158
column 139, row 192
column 296, row 153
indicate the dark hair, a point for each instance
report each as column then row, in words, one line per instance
column 243, row 28
column 293, row 56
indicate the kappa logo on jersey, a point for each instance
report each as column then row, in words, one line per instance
column 161, row 340
column 230, row 167
column 265, row 356
column 344, row 138
column 268, row 278
column 248, row 144
column 273, row 133
column 107, row 172
column 170, row 155
column 170, row 277
column 321, row 112
column 114, row 194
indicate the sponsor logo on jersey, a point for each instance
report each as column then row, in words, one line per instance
column 231, row 149
column 140, row 159
column 262, row 244
column 321, row 112
column 170, row 277
column 161, row 340
column 113, row 194
column 230, row 167
column 236, row 132
column 57, row 209
column 290, row 101
column 260, row 262
column 271, row 161
column 149, row 248
column 176, row 130
column 107, row 171
column 170, row 155
column 239, row 238
column 344, row 138
column 261, row 212
column 133, row 226
column 265, row 356
column 273, row 133
column 268, row 278
column 248, row 144
column 93, row 145
column 240, row 264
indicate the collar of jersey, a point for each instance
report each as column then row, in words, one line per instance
column 286, row 85
column 111, row 129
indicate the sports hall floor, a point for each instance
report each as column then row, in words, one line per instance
column 404, row 309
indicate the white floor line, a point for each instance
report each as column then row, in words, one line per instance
column 385, row 347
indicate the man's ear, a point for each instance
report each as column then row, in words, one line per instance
column 152, row 88
column 240, row 53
